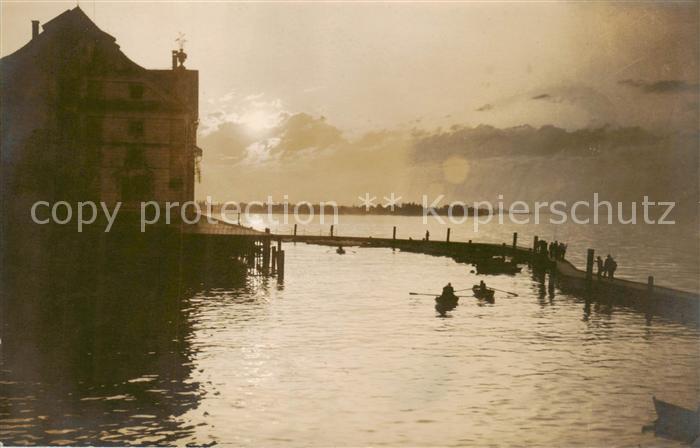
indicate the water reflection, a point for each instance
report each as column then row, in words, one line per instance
column 96, row 349
column 132, row 351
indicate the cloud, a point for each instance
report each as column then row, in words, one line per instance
column 666, row 86
column 302, row 131
column 235, row 142
column 550, row 163
column 566, row 104
column 255, row 111
column 526, row 141
column 254, row 96
column 305, row 157
column 309, row 158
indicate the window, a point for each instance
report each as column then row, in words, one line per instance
column 135, row 176
column 135, row 91
column 136, row 128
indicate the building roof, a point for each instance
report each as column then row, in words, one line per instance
column 73, row 46
column 75, row 19
column 70, row 41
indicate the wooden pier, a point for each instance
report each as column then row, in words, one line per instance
column 263, row 251
column 214, row 240
column 649, row 297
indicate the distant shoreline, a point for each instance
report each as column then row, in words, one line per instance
column 408, row 209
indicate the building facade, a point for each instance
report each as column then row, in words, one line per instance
column 83, row 122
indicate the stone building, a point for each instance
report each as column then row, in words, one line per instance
column 81, row 121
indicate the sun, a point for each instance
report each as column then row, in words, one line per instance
column 258, row 120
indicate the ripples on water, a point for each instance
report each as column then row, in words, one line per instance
column 340, row 354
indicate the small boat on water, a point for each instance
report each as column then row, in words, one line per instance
column 447, row 300
column 444, row 303
column 497, row 265
column 340, row 250
column 483, row 293
column 675, row 422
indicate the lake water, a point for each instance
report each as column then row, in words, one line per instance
column 338, row 354
column 671, row 253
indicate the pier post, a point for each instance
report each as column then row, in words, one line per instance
column 448, row 235
column 279, row 244
column 295, row 231
column 266, row 250
column 250, row 254
column 331, row 230
column 589, row 265
column 280, row 265
column 535, row 242
column 650, row 304
column 273, row 258
column 515, row 239
column 393, row 235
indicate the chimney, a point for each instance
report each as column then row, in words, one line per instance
column 174, row 59
column 35, row 28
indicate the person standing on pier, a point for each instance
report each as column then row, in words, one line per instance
column 612, row 268
column 554, row 249
column 562, row 250
column 609, row 267
column 606, row 265
column 427, row 235
column 599, row 263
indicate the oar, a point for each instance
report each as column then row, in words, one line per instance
column 433, row 295
column 507, row 292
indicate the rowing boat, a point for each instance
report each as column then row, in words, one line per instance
column 447, row 300
column 445, row 303
column 485, row 293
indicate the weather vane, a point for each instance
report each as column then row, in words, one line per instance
column 181, row 41
column 180, row 56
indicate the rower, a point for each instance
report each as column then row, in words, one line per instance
column 482, row 286
column 448, row 290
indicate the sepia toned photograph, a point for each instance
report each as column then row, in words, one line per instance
column 350, row 224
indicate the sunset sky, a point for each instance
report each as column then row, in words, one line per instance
column 349, row 72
